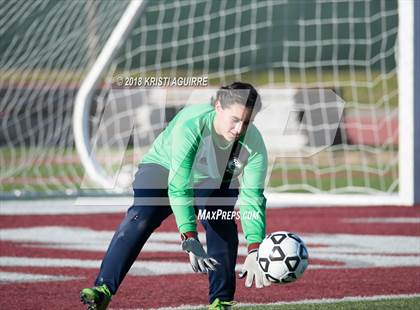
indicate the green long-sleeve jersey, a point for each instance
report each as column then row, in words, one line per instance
column 189, row 150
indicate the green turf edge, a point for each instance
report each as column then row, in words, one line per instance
column 410, row 303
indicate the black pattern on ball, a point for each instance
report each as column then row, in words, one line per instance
column 278, row 238
column 289, row 278
column 292, row 262
column 271, row 279
column 264, row 263
column 303, row 253
column 293, row 236
column 277, row 254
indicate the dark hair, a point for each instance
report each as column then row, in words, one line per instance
column 238, row 92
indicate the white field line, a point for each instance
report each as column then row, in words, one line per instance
column 65, row 206
column 142, row 268
column 384, row 220
column 83, row 205
column 139, row 268
column 352, row 251
column 305, row 301
column 20, row 277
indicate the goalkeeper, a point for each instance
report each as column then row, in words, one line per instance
column 208, row 157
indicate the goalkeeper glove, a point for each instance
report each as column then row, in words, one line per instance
column 251, row 270
column 200, row 261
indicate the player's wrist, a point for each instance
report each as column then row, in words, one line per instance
column 189, row 234
column 253, row 247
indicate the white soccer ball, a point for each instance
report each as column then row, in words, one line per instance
column 283, row 257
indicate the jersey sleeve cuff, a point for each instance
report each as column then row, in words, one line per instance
column 189, row 234
column 253, row 247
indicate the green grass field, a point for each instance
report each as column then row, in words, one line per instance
column 323, row 179
column 383, row 304
column 43, row 172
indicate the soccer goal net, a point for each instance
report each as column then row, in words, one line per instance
column 87, row 86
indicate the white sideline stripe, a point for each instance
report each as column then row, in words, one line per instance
column 384, row 220
column 351, row 251
column 305, row 301
column 142, row 268
column 139, row 268
column 88, row 205
column 19, row 277
column 65, row 206
column 281, row 200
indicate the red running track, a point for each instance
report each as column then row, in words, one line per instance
column 175, row 290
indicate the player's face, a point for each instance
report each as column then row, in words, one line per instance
column 232, row 121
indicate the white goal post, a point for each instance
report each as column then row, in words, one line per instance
column 408, row 134
column 83, row 99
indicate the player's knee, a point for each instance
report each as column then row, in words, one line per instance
column 136, row 224
column 143, row 225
